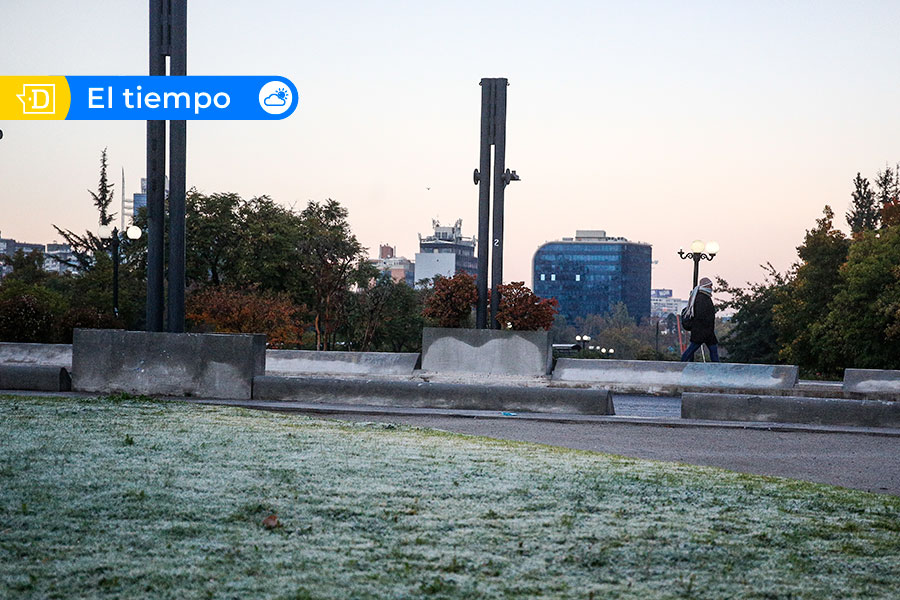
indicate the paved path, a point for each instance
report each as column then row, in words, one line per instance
column 860, row 461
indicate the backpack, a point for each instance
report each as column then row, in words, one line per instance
column 686, row 322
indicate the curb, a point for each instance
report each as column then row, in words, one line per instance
column 339, row 409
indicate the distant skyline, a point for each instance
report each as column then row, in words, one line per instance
column 660, row 122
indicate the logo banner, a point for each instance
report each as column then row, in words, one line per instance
column 147, row 98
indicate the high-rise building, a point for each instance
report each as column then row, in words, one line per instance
column 662, row 303
column 592, row 273
column 445, row 252
column 399, row 267
column 9, row 246
column 131, row 207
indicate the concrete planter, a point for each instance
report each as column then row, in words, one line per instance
column 486, row 351
column 167, row 364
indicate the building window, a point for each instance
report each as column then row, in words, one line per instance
column 553, row 277
column 543, row 277
column 578, row 278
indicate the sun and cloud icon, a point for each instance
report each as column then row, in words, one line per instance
column 275, row 98
column 279, row 98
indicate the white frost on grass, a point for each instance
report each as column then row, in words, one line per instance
column 133, row 498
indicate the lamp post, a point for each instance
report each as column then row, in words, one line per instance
column 700, row 250
column 113, row 235
column 582, row 340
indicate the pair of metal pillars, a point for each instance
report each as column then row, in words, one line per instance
column 493, row 133
column 168, row 38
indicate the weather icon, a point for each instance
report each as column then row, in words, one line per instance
column 279, row 98
column 275, row 98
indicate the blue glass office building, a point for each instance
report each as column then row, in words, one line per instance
column 592, row 273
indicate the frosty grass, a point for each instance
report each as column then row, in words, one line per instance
column 129, row 497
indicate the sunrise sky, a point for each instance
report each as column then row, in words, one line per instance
column 661, row 122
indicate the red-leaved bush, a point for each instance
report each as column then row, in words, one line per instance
column 450, row 303
column 523, row 310
column 227, row 309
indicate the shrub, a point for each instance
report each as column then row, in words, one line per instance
column 523, row 310
column 87, row 318
column 450, row 303
column 225, row 309
column 27, row 318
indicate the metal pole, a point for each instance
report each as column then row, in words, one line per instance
column 156, row 157
column 115, row 248
column 696, row 268
column 499, row 187
column 177, row 166
column 484, row 203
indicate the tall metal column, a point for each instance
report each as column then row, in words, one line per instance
column 484, row 202
column 177, row 165
column 168, row 38
column 493, row 133
column 156, row 174
column 499, row 187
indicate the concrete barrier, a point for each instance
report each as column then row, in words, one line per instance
column 42, row 378
column 486, row 351
column 866, row 381
column 790, row 409
column 661, row 376
column 53, row 355
column 421, row 394
column 308, row 362
column 168, row 364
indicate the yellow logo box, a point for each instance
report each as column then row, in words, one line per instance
column 31, row 97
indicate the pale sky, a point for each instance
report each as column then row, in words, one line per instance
column 661, row 122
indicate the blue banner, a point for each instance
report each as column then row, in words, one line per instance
column 176, row 98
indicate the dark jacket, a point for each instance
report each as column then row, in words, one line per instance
column 704, row 325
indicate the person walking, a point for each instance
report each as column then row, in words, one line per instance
column 702, row 312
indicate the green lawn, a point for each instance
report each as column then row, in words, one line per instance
column 129, row 498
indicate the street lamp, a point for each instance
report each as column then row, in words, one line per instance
column 699, row 251
column 582, row 340
column 114, row 237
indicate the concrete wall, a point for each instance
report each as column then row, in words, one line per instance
column 486, row 351
column 790, row 409
column 299, row 362
column 53, row 355
column 168, row 364
column 673, row 376
column 43, row 378
column 380, row 392
column 872, row 380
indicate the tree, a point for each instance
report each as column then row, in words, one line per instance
column 85, row 247
column 329, row 258
column 213, row 235
column 227, row 309
column 27, row 268
column 862, row 327
column 451, row 300
column 521, row 309
column 386, row 315
column 887, row 184
column 802, row 302
column 864, row 213
column 753, row 337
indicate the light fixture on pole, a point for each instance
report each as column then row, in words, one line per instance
column 582, row 340
column 114, row 237
column 699, row 250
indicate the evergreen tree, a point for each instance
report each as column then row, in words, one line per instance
column 86, row 247
column 865, row 211
column 753, row 337
column 803, row 301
